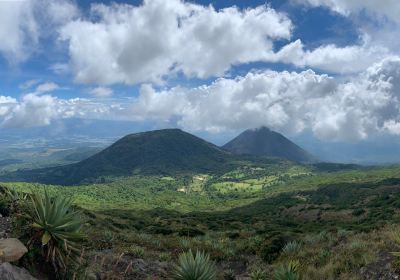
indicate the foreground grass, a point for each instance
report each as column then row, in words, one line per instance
column 333, row 224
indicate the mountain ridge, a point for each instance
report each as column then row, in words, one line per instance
column 265, row 142
column 165, row 151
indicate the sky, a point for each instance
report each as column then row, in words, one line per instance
column 328, row 68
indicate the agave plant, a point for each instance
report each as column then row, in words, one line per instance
column 197, row 267
column 57, row 228
column 15, row 198
column 258, row 274
column 289, row 271
column 291, row 248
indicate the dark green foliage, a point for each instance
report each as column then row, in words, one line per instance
column 5, row 202
column 288, row 271
column 336, row 167
column 168, row 151
column 272, row 247
column 57, row 228
column 190, row 232
column 195, row 267
column 358, row 212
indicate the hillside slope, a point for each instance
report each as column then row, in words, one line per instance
column 167, row 151
column 265, row 142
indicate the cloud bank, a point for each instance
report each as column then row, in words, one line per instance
column 150, row 44
column 290, row 102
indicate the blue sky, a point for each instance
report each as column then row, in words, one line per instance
column 314, row 26
column 328, row 68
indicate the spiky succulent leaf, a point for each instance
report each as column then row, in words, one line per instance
column 288, row 271
column 197, row 267
column 58, row 225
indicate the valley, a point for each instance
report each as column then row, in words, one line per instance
column 253, row 215
column 199, row 140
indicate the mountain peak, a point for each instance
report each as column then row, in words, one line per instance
column 258, row 129
column 164, row 151
column 262, row 141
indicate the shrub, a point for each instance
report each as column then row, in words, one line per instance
column 136, row 251
column 197, row 267
column 358, row 212
column 229, row 275
column 271, row 248
column 164, row 257
column 258, row 274
column 57, row 228
column 291, row 248
column 4, row 206
column 11, row 200
column 185, row 243
column 190, row 232
column 288, row 271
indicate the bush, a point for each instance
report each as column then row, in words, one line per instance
column 136, row 251
column 4, row 206
column 291, row 248
column 197, row 267
column 289, row 271
column 258, row 274
column 229, row 275
column 190, row 232
column 271, row 248
column 164, row 257
column 57, row 228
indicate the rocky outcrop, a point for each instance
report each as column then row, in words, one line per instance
column 11, row 250
column 10, row 272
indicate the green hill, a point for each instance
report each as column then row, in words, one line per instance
column 167, row 151
column 267, row 143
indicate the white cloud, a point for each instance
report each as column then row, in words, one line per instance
column 290, row 102
column 18, row 29
column 344, row 60
column 40, row 110
column 287, row 101
column 23, row 23
column 32, row 110
column 101, row 92
column 46, row 87
column 6, row 103
column 129, row 44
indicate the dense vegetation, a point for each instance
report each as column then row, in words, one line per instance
column 168, row 151
column 264, row 221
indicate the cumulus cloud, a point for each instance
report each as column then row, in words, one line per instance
column 344, row 60
column 121, row 43
column 32, row 110
column 18, row 29
column 129, row 44
column 40, row 110
column 23, row 23
column 287, row 101
column 290, row 102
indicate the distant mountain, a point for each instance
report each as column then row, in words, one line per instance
column 167, row 151
column 265, row 142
